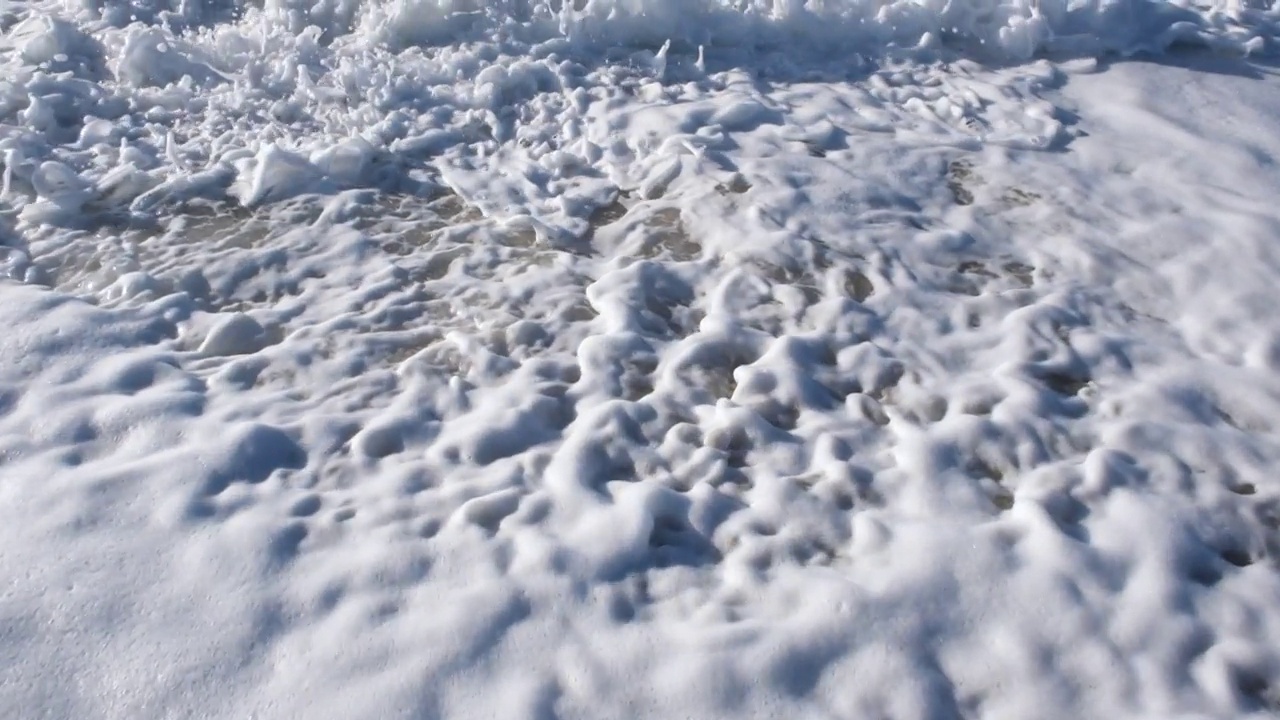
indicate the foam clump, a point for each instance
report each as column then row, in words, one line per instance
column 345, row 162
column 59, row 184
column 235, row 334
column 60, row 193
column 56, row 44
column 274, row 173
column 153, row 58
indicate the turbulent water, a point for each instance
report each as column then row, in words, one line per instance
column 123, row 106
column 639, row 359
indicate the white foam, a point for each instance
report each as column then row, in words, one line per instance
column 232, row 78
column 637, row 358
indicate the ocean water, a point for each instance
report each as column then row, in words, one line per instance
column 126, row 106
column 626, row 358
